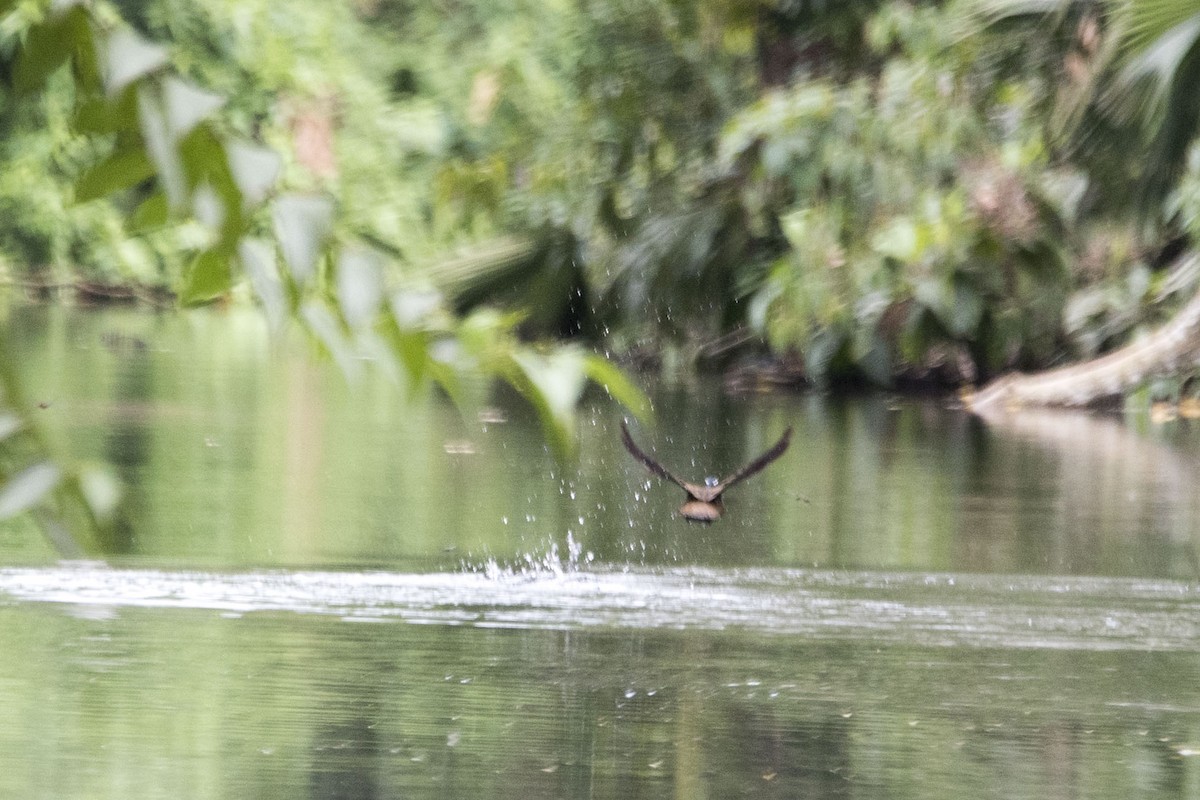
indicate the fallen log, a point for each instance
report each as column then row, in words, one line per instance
column 1169, row 349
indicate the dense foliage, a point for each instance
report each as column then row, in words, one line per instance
column 863, row 185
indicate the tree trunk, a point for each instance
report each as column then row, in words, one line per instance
column 1173, row 346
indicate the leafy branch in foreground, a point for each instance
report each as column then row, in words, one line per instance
column 172, row 160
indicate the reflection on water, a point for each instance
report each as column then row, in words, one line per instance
column 236, row 452
column 325, row 591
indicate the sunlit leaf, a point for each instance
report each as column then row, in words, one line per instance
column 187, row 105
column 619, row 387
column 161, row 147
column 555, row 384
column 301, row 225
column 10, row 423
column 359, row 285
column 121, row 170
column 375, row 350
column 898, row 240
column 325, row 327
column 413, row 307
column 28, row 488
column 208, row 278
column 258, row 259
column 255, row 170
column 101, row 490
column 127, row 57
column 207, row 207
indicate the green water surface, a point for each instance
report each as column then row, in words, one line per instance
column 324, row 589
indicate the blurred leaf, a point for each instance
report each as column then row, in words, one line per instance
column 255, row 170
column 821, row 353
column 187, row 105
column 413, row 349
column 965, row 311
column 873, row 357
column 325, row 327
column 413, row 307
column 258, row 259
column 10, row 423
column 150, row 214
column 553, row 383
column 619, row 387
column 208, row 278
column 302, row 224
column 101, row 491
column 103, row 114
column 121, row 170
column 47, row 47
column 359, row 285
column 127, row 57
column 209, row 209
column 162, row 150
column 28, row 488
column 899, row 240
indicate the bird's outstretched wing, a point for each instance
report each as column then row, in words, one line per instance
column 655, row 467
column 758, row 464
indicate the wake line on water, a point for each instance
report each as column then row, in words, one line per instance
column 884, row 608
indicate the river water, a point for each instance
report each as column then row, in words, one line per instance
column 331, row 590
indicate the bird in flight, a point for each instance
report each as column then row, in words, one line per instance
column 703, row 502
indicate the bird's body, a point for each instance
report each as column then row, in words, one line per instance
column 703, row 502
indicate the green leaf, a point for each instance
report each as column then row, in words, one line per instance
column 151, row 213
column 209, row 277
column 28, row 488
column 47, row 47
column 302, row 224
column 413, row 349
column 102, row 114
column 127, row 57
column 121, row 170
column 619, row 387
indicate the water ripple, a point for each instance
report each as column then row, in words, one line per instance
column 932, row 610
